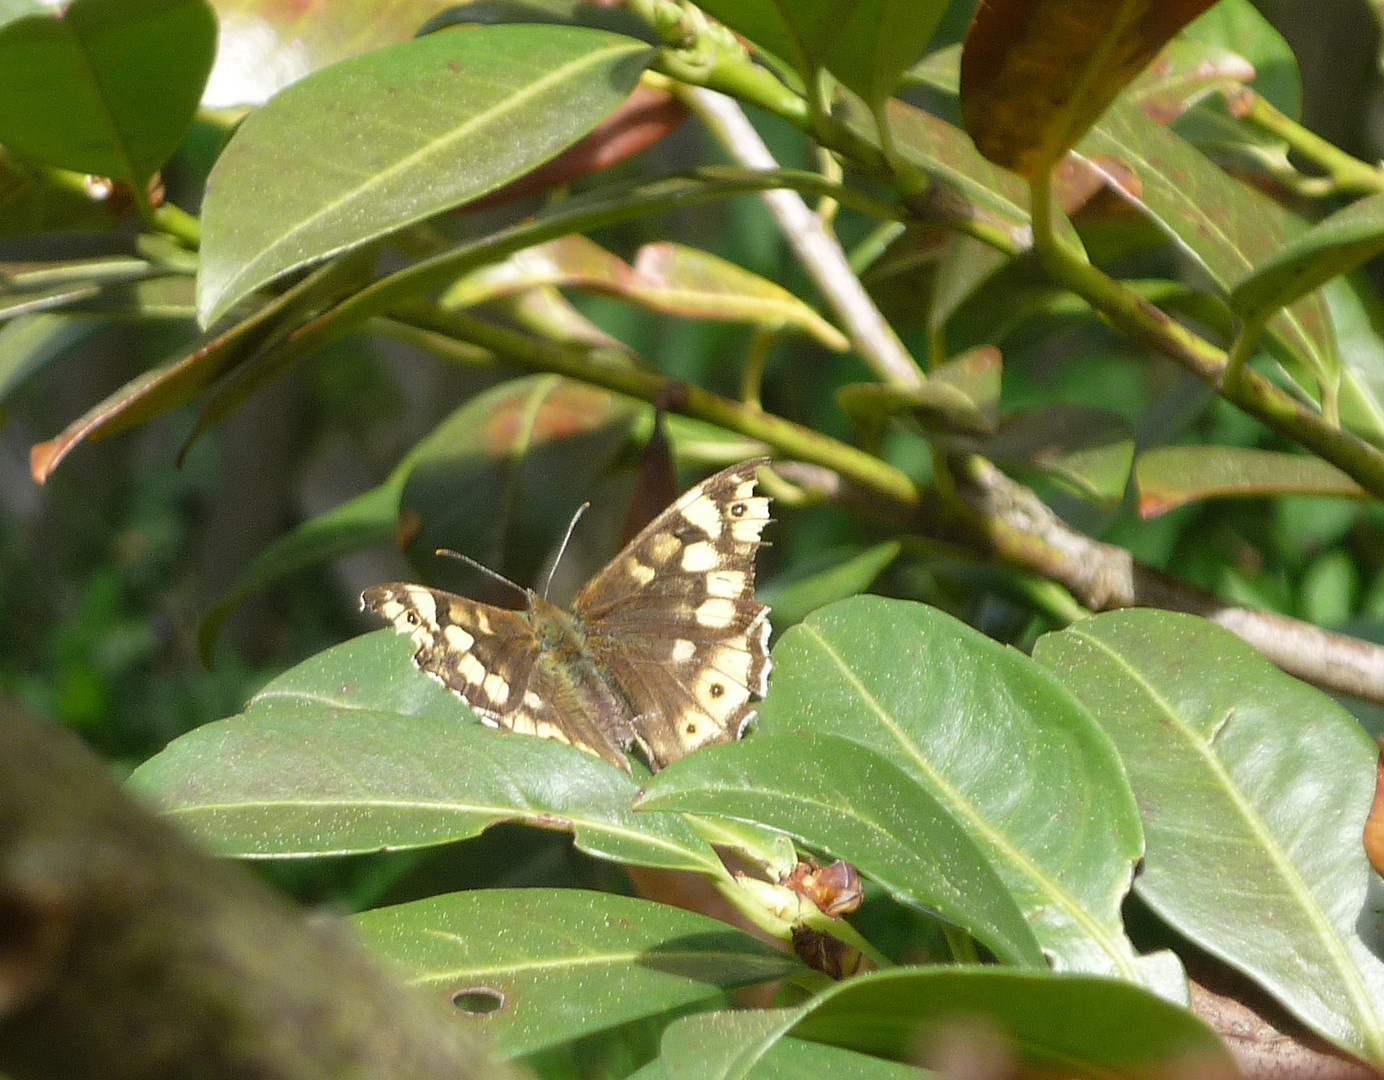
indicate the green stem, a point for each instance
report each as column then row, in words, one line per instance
column 456, row 334
column 1349, row 174
column 1249, row 391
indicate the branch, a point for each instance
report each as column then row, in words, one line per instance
column 816, row 247
column 126, row 954
column 989, row 515
column 1021, row 530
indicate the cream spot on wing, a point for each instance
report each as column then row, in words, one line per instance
column 482, row 621
column 457, row 638
column 719, row 695
column 725, row 583
column 745, row 489
column 717, row 613
column 532, row 700
column 661, row 548
column 470, row 669
column 496, row 688
column 699, row 557
column 749, row 525
column 705, row 514
column 684, row 650
column 423, row 603
column 637, row 570
column 735, row 664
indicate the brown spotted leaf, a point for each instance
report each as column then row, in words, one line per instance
column 1035, row 74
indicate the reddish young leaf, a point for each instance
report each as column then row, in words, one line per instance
column 1035, row 74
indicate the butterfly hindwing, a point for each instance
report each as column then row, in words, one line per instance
column 491, row 659
column 665, row 648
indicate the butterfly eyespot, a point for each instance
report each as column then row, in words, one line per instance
column 737, row 510
column 411, row 619
column 691, row 729
column 717, row 689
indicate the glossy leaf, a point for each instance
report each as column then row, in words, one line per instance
column 1227, row 227
column 837, row 797
column 387, row 139
column 159, row 389
column 835, row 577
column 1035, row 74
column 1070, row 1025
column 102, row 88
column 1334, row 246
column 997, row 741
column 567, row 963
column 29, row 342
column 665, row 277
column 1169, row 476
column 357, row 750
column 1254, row 788
column 500, row 479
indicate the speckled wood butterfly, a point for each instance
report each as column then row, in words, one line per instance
column 663, row 650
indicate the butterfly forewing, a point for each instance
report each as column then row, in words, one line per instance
column 675, row 621
column 666, row 647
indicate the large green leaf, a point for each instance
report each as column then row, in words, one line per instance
column 1254, row 789
column 1069, row 1025
column 563, row 963
column 357, row 750
column 1169, row 476
column 102, row 88
column 508, row 449
column 380, row 141
column 1011, row 754
column 838, row 797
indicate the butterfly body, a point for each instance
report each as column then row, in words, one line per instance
column 663, row 649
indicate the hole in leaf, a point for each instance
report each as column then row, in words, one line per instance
column 478, row 1000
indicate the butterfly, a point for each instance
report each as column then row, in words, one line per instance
column 664, row 650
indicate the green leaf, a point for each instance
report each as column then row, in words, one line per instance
column 838, row 797
column 1169, row 476
column 565, row 963
column 867, row 44
column 1070, row 1025
column 667, row 277
column 357, row 750
column 508, row 449
column 833, row 578
column 997, row 741
column 1334, row 246
column 1226, row 226
column 528, row 451
column 387, row 139
column 103, row 88
column 1254, row 789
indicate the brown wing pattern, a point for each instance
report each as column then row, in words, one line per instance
column 675, row 622
column 490, row 658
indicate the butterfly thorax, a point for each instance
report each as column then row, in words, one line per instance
column 568, row 662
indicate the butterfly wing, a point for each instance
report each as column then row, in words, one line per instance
column 491, row 659
column 674, row 621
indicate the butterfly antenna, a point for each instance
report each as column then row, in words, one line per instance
column 482, row 568
column 583, row 508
